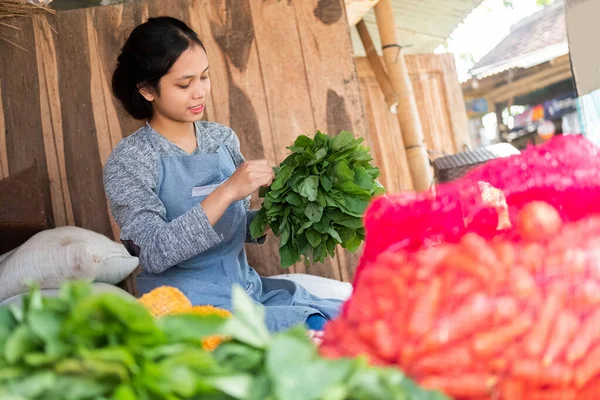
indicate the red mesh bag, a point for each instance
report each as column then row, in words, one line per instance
column 488, row 288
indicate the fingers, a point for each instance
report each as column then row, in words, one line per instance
column 261, row 178
column 258, row 162
column 264, row 181
column 259, row 167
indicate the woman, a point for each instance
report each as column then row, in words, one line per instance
column 179, row 186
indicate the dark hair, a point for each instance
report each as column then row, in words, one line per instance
column 147, row 55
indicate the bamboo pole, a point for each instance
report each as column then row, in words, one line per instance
column 408, row 115
column 391, row 99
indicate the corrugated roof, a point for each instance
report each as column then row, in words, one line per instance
column 534, row 40
column 421, row 24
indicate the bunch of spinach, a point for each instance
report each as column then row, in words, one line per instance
column 103, row 346
column 318, row 198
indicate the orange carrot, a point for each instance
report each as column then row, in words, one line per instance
column 506, row 253
column 431, row 258
column 467, row 319
column 535, row 341
column 359, row 306
column 522, row 284
column 531, row 256
column 425, row 310
column 507, row 309
column 478, row 248
column 463, row 385
column 553, row 394
column 490, row 342
column 591, row 391
column 588, row 368
column 584, row 338
column 512, row 389
column 564, row 328
column 407, row 356
column 385, row 341
column 458, row 261
column 533, row 371
column 464, row 287
column 456, row 358
column 497, row 365
column 586, row 297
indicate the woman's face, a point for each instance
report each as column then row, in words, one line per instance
column 183, row 91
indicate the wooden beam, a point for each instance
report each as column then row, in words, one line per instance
column 484, row 85
column 530, row 84
column 408, row 115
column 391, row 100
column 357, row 9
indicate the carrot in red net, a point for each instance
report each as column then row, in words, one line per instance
column 584, row 338
column 564, row 328
column 532, row 371
column 522, row 284
column 553, row 394
column 463, row 385
column 538, row 221
column 512, row 389
column 426, row 309
column 535, row 341
column 588, row 368
column 458, row 261
column 505, row 252
column 457, row 358
column 491, row 342
column 469, row 318
column 591, row 391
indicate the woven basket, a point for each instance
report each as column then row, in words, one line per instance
column 455, row 166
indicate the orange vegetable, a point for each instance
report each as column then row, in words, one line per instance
column 522, row 284
column 425, row 310
column 553, row 394
column 588, row 368
column 535, row 341
column 491, row 342
column 463, row 385
column 533, row 371
column 538, row 221
column 516, row 317
column 458, row 261
column 165, row 300
column 564, row 328
column 468, row 319
column 512, row 389
column 479, row 249
column 584, row 338
column 454, row 359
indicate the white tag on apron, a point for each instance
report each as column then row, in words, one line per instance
column 205, row 190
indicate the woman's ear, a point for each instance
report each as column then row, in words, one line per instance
column 147, row 92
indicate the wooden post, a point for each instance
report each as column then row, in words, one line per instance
column 408, row 115
column 391, row 99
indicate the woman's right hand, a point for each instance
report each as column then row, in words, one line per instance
column 248, row 178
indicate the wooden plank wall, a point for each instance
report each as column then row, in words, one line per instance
column 279, row 69
column 441, row 109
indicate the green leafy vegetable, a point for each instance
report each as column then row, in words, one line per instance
column 326, row 183
column 105, row 361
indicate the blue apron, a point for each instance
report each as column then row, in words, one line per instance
column 208, row 278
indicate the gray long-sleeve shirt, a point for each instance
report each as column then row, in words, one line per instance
column 131, row 176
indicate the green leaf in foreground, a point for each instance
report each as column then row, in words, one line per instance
column 171, row 364
column 249, row 326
